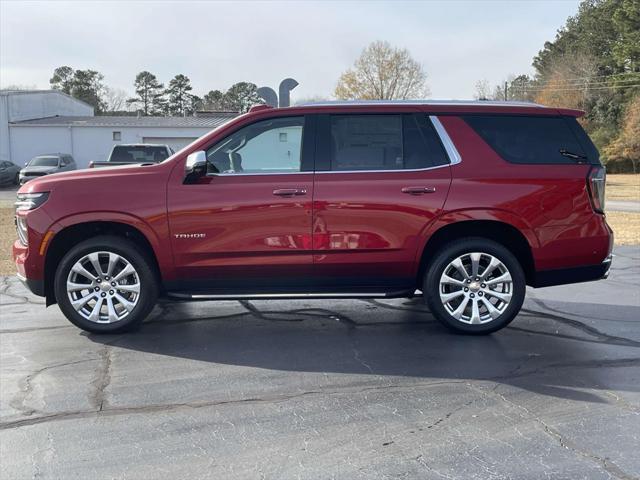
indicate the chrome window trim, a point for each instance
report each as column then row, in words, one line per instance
column 399, row 170
column 452, row 151
column 450, row 148
column 241, row 174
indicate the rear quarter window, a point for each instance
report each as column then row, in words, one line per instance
column 534, row 140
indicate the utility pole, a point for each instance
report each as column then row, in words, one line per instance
column 505, row 91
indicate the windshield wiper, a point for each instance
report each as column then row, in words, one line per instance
column 573, row 156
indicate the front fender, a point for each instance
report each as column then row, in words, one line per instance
column 154, row 229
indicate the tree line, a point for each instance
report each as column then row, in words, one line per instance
column 593, row 64
column 151, row 96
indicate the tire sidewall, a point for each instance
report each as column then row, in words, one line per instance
column 431, row 286
column 126, row 249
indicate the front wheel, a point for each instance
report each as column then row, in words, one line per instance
column 106, row 284
column 474, row 286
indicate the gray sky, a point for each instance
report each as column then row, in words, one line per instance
column 219, row 43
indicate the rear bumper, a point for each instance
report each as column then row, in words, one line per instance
column 563, row 276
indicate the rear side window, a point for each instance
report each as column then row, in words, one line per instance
column 532, row 140
column 383, row 142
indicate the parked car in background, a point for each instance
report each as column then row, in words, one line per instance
column 9, row 173
column 135, row 153
column 46, row 165
column 466, row 203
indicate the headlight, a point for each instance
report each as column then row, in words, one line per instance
column 25, row 203
column 30, row 201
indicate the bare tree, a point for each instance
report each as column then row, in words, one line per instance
column 311, row 99
column 115, row 99
column 383, row 72
column 484, row 90
column 567, row 83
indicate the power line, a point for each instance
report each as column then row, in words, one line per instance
column 603, row 76
column 539, row 89
column 595, row 81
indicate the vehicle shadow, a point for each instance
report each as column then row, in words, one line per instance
column 540, row 353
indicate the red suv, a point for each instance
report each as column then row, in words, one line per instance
column 468, row 202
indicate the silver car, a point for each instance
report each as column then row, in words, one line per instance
column 46, row 165
column 9, row 173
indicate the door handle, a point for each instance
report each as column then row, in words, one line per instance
column 289, row 192
column 418, row 190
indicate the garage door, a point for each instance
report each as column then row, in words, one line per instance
column 174, row 142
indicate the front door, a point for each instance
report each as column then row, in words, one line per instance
column 246, row 226
column 381, row 179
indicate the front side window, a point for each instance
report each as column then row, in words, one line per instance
column 384, row 142
column 529, row 139
column 268, row 146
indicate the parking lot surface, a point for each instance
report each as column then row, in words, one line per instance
column 327, row 389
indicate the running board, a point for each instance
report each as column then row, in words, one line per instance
column 287, row 296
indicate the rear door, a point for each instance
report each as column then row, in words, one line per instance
column 246, row 226
column 380, row 180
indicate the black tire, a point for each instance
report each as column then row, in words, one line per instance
column 140, row 261
column 448, row 253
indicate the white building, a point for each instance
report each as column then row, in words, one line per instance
column 34, row 123
column 19, row 105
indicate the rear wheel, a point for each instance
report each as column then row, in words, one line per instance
column 474, row 286
column 106, row 285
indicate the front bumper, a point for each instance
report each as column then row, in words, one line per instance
column 21, row 261
column 563, row 276
column 35, row 286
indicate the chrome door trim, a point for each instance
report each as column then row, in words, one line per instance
column 266, row 296
column 452, row 151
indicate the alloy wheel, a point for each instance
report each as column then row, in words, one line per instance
column 476, row 288
column 103, row 287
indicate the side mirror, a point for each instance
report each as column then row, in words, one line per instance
column 195, row 166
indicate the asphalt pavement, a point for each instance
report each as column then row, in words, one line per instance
column 327, row 389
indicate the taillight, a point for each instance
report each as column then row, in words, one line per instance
column 595, row 184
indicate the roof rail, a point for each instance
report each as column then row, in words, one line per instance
column 259, row 108
column 423, row 102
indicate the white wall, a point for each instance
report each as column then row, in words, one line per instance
column 24, row 105
column 27, row 142
column 30, row 105
column 5, row 152
column 86, row 143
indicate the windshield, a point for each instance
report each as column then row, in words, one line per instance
column 44, row 162
column 138, row 154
